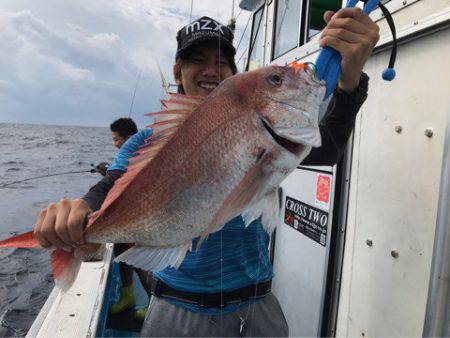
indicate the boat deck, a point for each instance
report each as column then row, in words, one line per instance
column 83, row 311
column 124, row 324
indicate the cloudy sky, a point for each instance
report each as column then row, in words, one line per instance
column 77, row 62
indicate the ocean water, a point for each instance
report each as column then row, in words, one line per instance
column 28, row 151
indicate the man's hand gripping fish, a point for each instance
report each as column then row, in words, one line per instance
column 208, row 161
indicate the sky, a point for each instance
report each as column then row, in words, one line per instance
column 78, row 62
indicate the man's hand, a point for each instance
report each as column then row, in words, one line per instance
column 61, row 224
column 352, row 33
column 102, row 168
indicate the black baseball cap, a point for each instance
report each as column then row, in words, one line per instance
column 204, row 29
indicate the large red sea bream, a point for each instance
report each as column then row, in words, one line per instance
column 208, row 160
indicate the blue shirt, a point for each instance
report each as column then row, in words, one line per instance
column 127, row 149
column 229, row 259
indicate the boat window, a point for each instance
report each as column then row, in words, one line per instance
column 287, row 20
column 316, row 10
column 257, row 40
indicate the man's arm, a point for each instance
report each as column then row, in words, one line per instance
column 337, row 127
column 61, row 224
column 353, row 34
column 97, row 193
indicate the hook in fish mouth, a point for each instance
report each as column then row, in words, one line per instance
column 310, row 69
column 292, row 147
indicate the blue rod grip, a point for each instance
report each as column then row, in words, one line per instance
column 328, row 63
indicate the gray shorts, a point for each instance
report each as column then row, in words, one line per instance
column 264, row 318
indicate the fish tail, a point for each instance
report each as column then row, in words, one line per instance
column 26, row 240
column 64, row 264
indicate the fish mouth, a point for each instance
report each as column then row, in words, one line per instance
column 292, row 147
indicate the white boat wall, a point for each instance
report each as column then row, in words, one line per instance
column 79, row 312
column 372, row 277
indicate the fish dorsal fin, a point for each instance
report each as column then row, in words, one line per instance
column 175, row 110
column 181, row 101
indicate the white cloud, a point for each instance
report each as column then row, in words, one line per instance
column 77, row 61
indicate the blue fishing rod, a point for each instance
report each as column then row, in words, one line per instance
column 328, row 63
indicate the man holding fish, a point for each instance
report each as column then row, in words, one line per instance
column 219, row 283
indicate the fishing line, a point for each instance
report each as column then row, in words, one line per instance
column 256, row 36
column 250, row 303
column 221, row 232
column 190, row 14
column 257, row 280
column 134, row 93
column 240, row 11
column 221, row 281
column 252, row 44
column 243, row 320
column 312, row 64
column 232, row 10
column 44, row 176
column 243, row 53
column 242, row 36
column 282, row 19
column 220, row 53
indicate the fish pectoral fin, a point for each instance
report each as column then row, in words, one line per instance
column 240, row 197
column 154, row 258
column 268, row 207
column 65, row 267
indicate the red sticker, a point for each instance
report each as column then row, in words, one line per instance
column 323, row 189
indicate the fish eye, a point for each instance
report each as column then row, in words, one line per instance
column 275, row 79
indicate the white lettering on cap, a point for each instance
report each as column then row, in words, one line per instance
column 218, row 27
column 205, row 26
column 192, row 27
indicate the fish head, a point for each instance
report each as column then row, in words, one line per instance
column 287, row 102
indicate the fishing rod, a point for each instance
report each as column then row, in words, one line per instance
column 43, row 176
column 95, row 169
column 328, row 63
column 164, row 82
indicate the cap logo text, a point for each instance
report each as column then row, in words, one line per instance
column 206, row 25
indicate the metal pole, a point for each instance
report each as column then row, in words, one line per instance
column 437, row 315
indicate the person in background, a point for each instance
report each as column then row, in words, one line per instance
column 121, row 130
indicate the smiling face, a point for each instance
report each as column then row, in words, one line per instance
column 203, row 69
